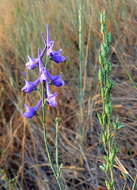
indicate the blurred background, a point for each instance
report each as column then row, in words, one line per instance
column 23, row 160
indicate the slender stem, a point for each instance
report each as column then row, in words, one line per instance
column 46, row 138
column 50, row 161
column 43, row 106
column 57, row 153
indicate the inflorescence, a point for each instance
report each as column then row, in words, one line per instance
column 45, row 78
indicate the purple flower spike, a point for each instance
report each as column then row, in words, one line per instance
column 56, row 80
column 45, row 78
column 30, row 86
column 57, row 57
column 51, row 98
column 31, row 111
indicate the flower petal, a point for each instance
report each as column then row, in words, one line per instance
column 31, row 111
column 32, row 63
column 51, row 98
column 56, row 80
column 30, row 86
column 57, row 57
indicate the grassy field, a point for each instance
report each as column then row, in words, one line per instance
column 76, row 28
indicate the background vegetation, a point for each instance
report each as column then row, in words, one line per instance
column 23, row 160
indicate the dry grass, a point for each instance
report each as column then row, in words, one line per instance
column 22, row 152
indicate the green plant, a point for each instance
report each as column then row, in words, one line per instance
column 109, row 127
column 9, row 184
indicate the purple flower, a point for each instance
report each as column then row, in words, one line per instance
column 57, row 57
column 30, row 86
column 44, row 75
column 51, row 98
column 54, row 55
column 31, row 111
column 56, row 80
column 33, row 62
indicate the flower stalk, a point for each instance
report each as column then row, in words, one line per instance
column 47, row 98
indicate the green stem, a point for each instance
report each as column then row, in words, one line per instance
column 43, row 106
column 57, row 153
column 46, row 138
column 50, row 161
